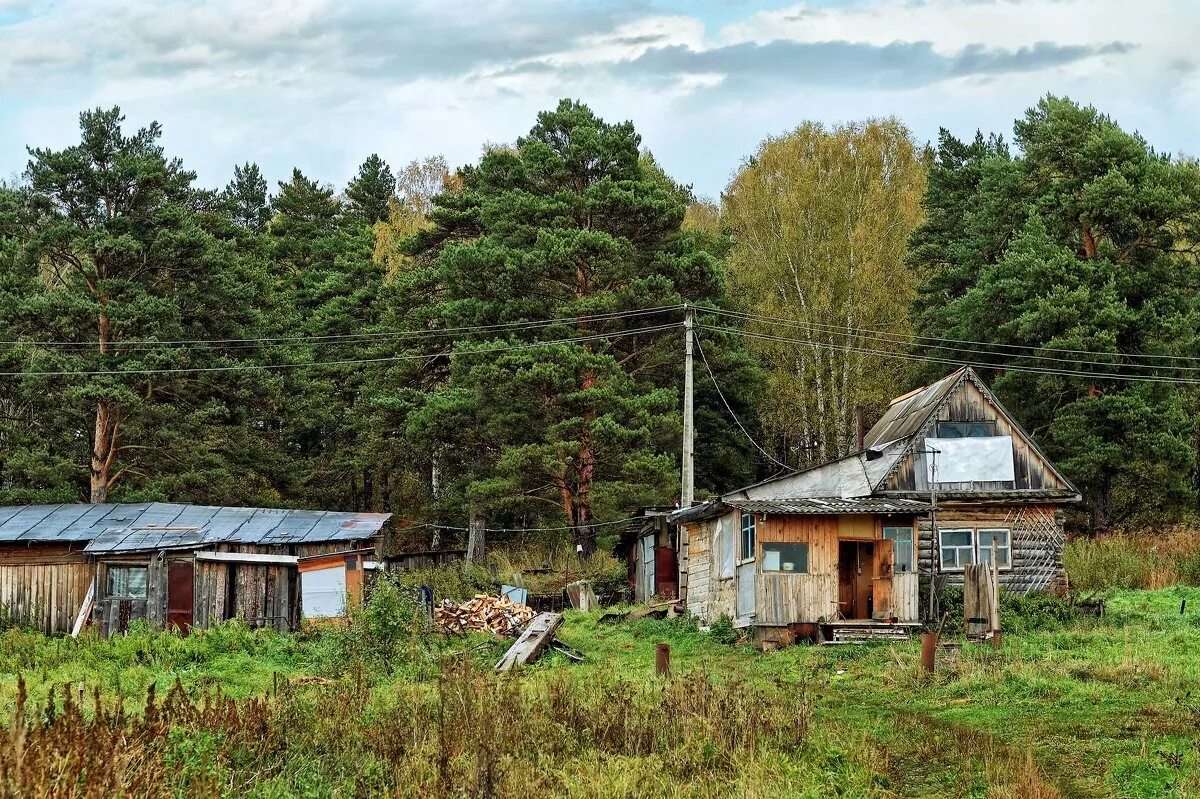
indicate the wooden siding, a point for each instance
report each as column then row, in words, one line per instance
column 43, row 586
column 1036, row 539
column 906, row 596
column 968, row 404
column 788, row 598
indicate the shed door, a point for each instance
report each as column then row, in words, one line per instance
column 649, row 586
column 181, row 575
column 745, row 592
column 881, row 582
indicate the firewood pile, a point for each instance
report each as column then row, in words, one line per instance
column 484, row 614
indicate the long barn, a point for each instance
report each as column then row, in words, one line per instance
column 179, row 566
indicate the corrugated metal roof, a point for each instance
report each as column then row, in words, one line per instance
column 164, row 525
column 822, row 506
column 908, row 413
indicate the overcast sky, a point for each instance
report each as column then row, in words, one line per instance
column 320, row 84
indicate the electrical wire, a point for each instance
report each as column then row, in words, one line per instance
column 483, row 350
column 952, row 343
column 956, row 362
column 351, row 338
column 526, row 529
column 729, row 408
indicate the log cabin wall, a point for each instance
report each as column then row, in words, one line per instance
column 1036, row 538
column 969, row 404
column 43, row 586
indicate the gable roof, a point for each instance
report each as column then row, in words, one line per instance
column 862, row 474
column 144, row 526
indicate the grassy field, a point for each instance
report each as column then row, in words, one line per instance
column 1074, row 708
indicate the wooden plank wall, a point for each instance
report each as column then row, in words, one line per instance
column 700, row 566
column 968, row 404
column 43, row 587
column 906, row 596
column 789, row 598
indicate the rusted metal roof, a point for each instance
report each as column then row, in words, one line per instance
column 822, row 506
column 162, row 525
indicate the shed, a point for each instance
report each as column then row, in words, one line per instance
column 174, row 565
column 946, row 478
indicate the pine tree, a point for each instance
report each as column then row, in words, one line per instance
column 566, row 224
column 118, row 260
column 245, row 198
column 371, row 190
column 1078, row 244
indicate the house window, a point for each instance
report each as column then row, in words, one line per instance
column 128, row 582
column 966, row 429
column 902, row 548
column 958, row 548
column 1001, row 540
column 747, row 536
column 781, row 557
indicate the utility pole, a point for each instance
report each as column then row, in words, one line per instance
column 687, row 491
column 935, row 548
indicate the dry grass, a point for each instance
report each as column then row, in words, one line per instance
column 1145, row 559
column 470, row 733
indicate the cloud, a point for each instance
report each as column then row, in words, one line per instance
column 322, row 83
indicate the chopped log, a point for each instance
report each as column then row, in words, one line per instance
column 533, row 641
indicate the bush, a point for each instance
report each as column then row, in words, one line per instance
column 375, row 637
column 723, row 631
column 1035, row 611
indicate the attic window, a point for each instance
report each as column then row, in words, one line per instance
column 966, row 429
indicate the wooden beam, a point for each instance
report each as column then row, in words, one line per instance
column 533, row 641
column 85, row 611
column 248, row 557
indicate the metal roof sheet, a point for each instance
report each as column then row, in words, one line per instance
column 160, row 525
column 908, row 413
column 822, row 506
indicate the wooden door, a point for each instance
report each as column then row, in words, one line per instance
column 181, row 578
column 881, row 590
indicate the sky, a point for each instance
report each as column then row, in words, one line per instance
column 321, row 84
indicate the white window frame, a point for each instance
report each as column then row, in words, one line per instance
column 912, row 546
column 748, row 538
column 958, row 565
column 1006, row 563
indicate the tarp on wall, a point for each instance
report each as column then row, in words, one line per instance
column 970, row 460
column 723, row 545
column 323, row 592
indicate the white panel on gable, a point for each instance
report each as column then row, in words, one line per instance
column 323, row 592
column 971, row 460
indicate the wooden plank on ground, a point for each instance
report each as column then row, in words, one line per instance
column 532, row 643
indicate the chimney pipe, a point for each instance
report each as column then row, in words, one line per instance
column 860, row 428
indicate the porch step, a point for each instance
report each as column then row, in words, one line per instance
column 859, row 632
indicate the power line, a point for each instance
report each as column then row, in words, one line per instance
column 725, row 402
column 483, row 350
column 958, row 362
column 951, row 343
column 527, row 529
column 362, row 336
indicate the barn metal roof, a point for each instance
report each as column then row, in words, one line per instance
column 162, row 525
column 908, row 413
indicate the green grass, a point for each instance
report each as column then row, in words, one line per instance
column 1081, row 708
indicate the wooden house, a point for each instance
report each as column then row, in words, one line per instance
column 944, row 479
column 179, row 566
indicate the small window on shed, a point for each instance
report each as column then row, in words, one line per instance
column 902, row 547
column 747, row 536
column 128, row 582
column 966, row 429
column 783, row 557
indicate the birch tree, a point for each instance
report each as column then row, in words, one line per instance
column 820, row 219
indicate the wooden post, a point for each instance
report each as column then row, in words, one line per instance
column 928, row 650
column 662, row 660
column 476, row 536
column 687, row 486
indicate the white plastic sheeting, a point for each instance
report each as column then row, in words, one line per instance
column 723, row 541
column 323, row 592
column 971, row 460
